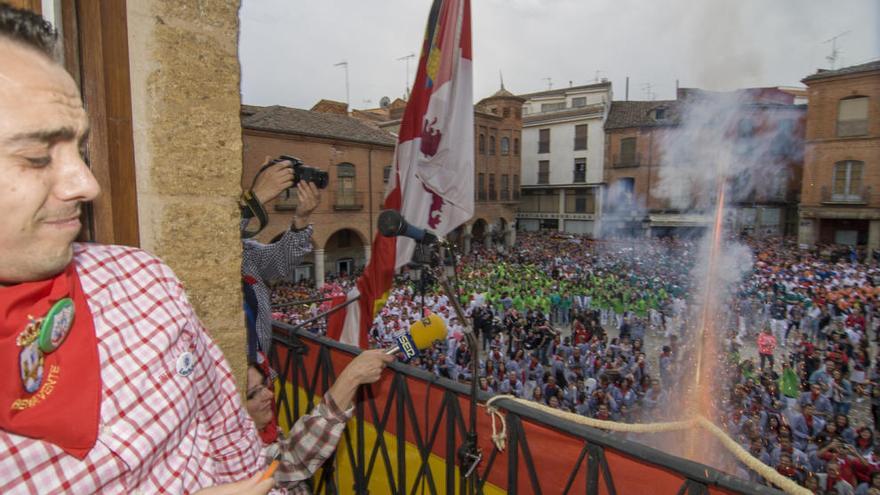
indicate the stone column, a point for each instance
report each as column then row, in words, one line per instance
column 511, row 236
column 873, row 235
column 185, row 98
column 561, row 210
column 367, row 253
column 319, row 267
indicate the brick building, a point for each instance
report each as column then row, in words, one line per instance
column 639, row 133
column 563, row 155
column 840, row 200
column 355, row 154
column 497, row 138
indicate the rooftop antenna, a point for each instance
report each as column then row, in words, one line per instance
column 549, row 82
column 344, row 64
column 835, row 53
column 407, row 58
column 648, row 90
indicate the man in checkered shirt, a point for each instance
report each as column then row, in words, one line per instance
column 264, row 263
column 163, row 414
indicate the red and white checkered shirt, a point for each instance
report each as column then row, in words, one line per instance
column 161, row 431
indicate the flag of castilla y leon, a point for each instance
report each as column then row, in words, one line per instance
column 432, row 180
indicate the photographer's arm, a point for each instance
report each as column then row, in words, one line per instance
column 307, row 200
column 273, row 181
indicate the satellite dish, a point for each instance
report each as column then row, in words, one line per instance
column 384, row 102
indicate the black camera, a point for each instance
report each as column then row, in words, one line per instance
column 302, row 172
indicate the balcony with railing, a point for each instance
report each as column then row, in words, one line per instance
column 857, row 197
column 407, row 431
column 348, row 200
column 626, row 160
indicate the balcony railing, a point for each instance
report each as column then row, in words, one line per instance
column 861, row 196
column 348, row 200
column 481, row 195
column 407, row 429
column 620, row 161
column 493, row 195
column 580, row 176
column 505, row 195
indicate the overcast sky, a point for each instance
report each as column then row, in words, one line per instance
column 288, row 47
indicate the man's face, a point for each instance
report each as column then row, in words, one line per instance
column 43, row 179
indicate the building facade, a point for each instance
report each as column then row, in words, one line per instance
column 357, row 157
column 840, row 199
column 562, row 159
column 764, row 129
column 497, row 151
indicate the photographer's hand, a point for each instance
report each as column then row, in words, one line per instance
column 273, row 181
column 308, row 197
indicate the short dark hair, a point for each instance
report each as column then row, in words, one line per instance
column 28, row 28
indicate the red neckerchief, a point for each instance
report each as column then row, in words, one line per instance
column 65, row 410
column 269, row 433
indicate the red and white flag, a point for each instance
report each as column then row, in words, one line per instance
column 432, row 181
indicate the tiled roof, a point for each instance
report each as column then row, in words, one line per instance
column 853, row 69
column 323, row 125
column 639, row 114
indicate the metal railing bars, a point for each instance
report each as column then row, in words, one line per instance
column 696, row 478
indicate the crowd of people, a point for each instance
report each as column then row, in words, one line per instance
column 603, row 329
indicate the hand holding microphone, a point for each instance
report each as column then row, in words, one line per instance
column 421, row 335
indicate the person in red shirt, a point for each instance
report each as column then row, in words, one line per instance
column 766, row 346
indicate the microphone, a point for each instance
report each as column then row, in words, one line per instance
column 421, row 335
column 392, row 224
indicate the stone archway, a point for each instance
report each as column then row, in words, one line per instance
column 343, row 254
column 480, row 232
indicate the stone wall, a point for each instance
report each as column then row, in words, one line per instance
column 188, row 153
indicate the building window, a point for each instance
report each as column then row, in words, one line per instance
column 492, row 193
column 482, row 144
column 491, row 145
column 852, row 116
column 580, row 201
column 580, row 101
column 506, row 112
column 580, row 170
column 345, row 175
column 580, row 137
column 516, row 146
column 544, row 141
column 540, row 201
column 847, row 181
column 552, row 107
column 481, row 187
column 627, row 152
column 544, row 172
column 515, row 186
column 746, row 128
column 660, row 114
column 623, row 192
column 505, row 187
column 386, row 174
column 505, row 146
